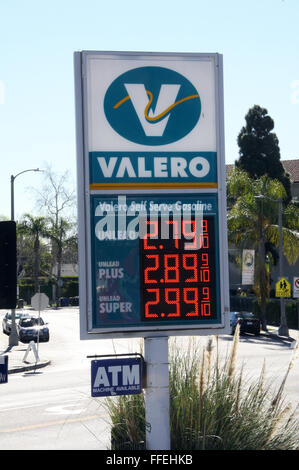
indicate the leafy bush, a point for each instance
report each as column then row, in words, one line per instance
column 273, row 312
column 212, row 407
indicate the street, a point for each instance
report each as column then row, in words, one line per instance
column 52, row 408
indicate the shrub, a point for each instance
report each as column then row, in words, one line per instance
column 273, row 312
column 127, row 414
column 212, row 407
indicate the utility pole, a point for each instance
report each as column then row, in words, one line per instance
column 283, row 328
column 13, row 337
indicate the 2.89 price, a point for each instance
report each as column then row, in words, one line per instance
column 178, row 267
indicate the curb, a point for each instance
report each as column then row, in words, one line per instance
column 27, row 367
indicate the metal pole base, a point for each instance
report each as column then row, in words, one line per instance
column 283, row 330
column 13, row 339
column 157, row 394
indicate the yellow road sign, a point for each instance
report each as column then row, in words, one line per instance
column 282, row 288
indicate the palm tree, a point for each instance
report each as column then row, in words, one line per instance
column 35, row 227
column 252, row 223
column 58, row 234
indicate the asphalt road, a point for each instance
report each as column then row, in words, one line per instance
column 52, row 407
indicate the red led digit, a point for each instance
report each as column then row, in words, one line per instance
column 175, row 302
column 194, row 300
column 151, row 268
column 189, row 234
column 192, row 267
column 204, row 275
column 204, row 236
column 171, row 268
column 175, row 231
column 205, row 259
column 205, row 309
column 204, row 225
column 205, row 293
column 204, row 241
column 152, row 302
column 150, row 235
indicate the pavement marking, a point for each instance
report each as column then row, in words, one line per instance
column 51, row 423
column 64, row 410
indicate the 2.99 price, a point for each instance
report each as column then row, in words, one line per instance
column 171, row 305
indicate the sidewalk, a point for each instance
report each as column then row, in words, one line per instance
column 16, row 359
column 290, row 340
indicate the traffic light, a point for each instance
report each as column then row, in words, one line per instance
column 8, row 265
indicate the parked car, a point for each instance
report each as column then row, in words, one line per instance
column 6, row 322
column 29, row 328
column 74, row 301
column 248, row 322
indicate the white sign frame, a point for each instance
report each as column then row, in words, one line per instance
column 82, row 132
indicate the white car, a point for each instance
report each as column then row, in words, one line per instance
column 32, row 329
column 6, row 322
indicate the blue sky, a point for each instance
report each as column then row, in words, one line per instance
column 259, row 41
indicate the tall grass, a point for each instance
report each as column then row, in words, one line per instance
column 127, row 414
column 212, row 406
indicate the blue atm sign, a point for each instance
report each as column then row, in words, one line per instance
column 110, row 377
column 3, row 369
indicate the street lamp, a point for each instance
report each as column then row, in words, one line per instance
column 13, row 337
column 283, row 328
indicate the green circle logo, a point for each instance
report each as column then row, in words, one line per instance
column 152, row 106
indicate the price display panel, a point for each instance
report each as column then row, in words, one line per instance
column 178, row 275
column 155, row 262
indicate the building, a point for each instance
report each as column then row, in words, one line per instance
column 235, row 274
column 291, row 167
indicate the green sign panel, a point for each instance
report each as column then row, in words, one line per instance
column 155, row 260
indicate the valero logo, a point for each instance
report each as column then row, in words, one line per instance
column 152, row 106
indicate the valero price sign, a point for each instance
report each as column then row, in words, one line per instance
column 151, row 192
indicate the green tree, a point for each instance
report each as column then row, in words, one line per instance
column 57, row 200
column 60, row 240
column 26, row 260
column 34, row 227
column 259, row 149
column 252, row 223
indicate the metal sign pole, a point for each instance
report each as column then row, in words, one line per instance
column 157, row 394
column 39, row 309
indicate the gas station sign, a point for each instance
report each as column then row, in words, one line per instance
column 151, row 183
